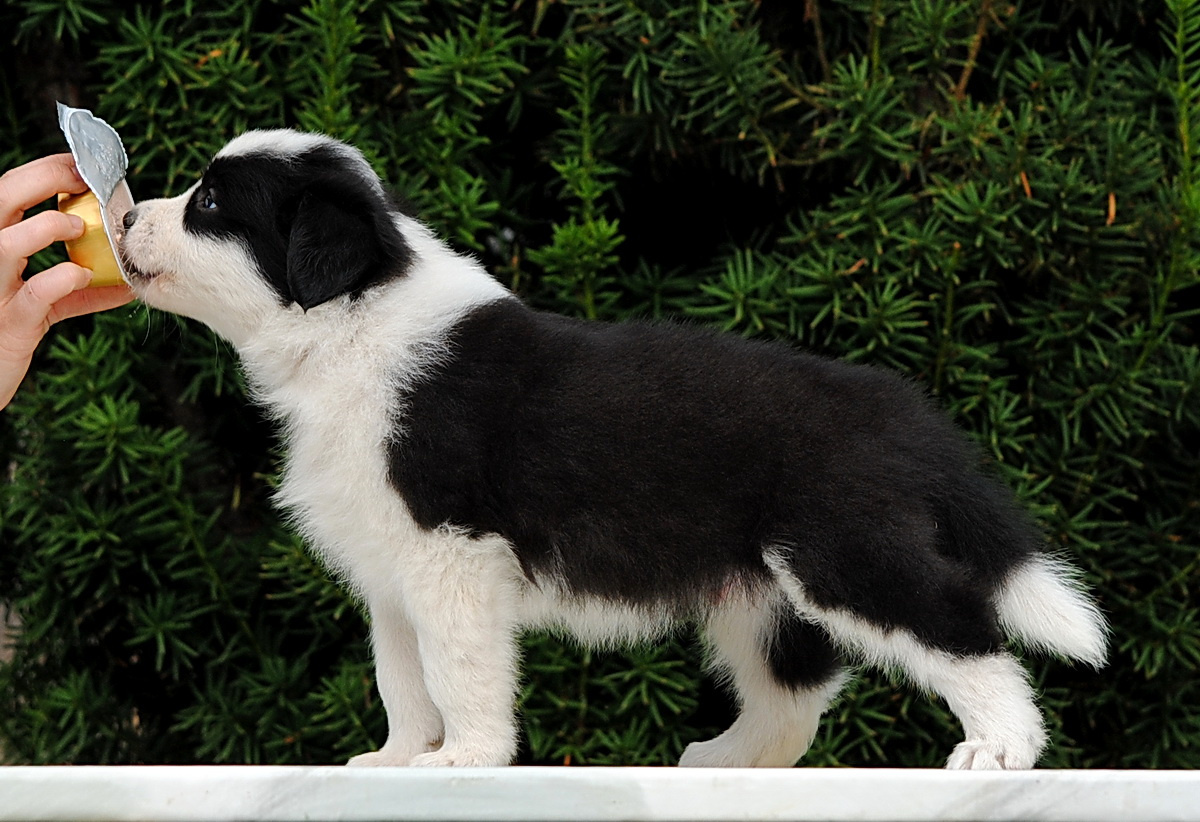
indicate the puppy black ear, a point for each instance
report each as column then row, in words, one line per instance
column 335, row 247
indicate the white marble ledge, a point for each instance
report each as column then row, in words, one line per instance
column 591, row 794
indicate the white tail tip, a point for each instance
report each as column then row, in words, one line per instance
column 1043, row 604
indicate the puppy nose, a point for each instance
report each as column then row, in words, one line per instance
column 130, row 218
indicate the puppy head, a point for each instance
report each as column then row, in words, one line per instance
column 280, row 221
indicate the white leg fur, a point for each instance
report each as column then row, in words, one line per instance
column 414, row 722
column 463, row 603
column 776, row 724
column 991, row 697
column 989, row 694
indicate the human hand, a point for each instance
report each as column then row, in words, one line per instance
column 29, row 307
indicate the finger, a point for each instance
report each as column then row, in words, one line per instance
column 90, row 300
column 21, row 241
column 25, row 317
column 25, row 186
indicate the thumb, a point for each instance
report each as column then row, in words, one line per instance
column 28, row 312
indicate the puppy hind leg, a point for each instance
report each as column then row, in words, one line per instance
column 987, row 690
column 993, row 700
column 785, row 674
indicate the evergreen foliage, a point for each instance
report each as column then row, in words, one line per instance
column 1001, row 200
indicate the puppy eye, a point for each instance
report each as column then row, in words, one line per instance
column 208, row 203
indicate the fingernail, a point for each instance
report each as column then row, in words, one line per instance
column 77, row 223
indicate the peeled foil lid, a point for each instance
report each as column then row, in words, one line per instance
column 98, row 151
column 102, row 162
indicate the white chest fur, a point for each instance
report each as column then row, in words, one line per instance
column 335, row 478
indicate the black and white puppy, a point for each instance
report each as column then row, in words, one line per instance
column 473, row 468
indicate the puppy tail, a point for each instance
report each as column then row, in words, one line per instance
column 1043, row 603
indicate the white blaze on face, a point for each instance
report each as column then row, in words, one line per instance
column 214, row 280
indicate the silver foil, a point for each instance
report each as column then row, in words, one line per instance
column 98, row 151
column 102, row 162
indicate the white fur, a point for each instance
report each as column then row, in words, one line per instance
column 196, row 276
column 594, row 622
column 1043, row 604
column 284, row 144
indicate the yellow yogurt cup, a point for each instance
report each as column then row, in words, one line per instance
column 92, row 250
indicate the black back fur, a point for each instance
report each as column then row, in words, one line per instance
column 653, row 464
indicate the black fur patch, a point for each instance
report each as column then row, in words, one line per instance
column 314, row 225
column 801, row 655
column 653, row 463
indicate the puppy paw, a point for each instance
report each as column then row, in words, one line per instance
column 711, row 754
column 733, row 752
column 977, row 755
column 391, row 756
column 461, row 758
column 378, row 759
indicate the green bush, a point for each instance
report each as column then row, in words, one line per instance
column 998, row 199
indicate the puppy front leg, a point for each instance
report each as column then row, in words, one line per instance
column 414, row 724
column 464, row 612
